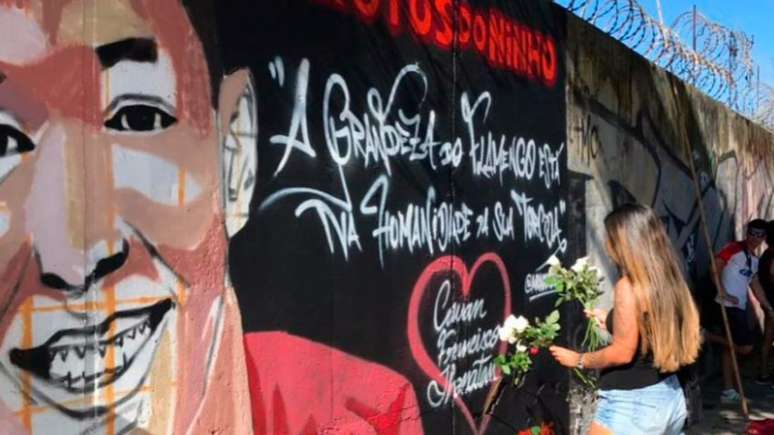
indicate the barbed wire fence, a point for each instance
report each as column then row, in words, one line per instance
column 715, row 59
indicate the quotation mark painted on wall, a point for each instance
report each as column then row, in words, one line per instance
column 277, row 70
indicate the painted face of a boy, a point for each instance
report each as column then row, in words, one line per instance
column 112, row 242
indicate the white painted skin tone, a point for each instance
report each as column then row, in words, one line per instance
column 5, row 220
column 158, row 83
column 152, row 176
column 29, row 42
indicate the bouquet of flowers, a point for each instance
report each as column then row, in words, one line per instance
column 578, row 283
column 526, row 340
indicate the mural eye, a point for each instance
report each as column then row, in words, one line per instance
column 13, row 141
column 141, row 118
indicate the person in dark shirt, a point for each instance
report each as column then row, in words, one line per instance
column 763, row 288
column 655, row 331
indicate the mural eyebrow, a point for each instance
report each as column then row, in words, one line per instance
column 136, row 49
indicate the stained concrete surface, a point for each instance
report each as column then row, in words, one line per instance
column 722, row 419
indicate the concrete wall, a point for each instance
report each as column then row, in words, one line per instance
column 630, row 127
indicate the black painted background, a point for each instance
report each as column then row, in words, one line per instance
column 284, row 274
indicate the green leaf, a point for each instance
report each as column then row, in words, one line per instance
column 553, row 317
column 506, row 369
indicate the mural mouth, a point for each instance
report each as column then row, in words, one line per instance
column 84, row 359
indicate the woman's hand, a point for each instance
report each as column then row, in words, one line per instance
column 599, row 315
column 566, row 357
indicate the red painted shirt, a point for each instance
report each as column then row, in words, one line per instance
column 298, row 386
column 738, row 272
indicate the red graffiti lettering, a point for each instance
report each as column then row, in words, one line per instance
column 367, row 9
column 549, row 64
column 394, row 17
column 503, row 42
column 479, row 33
column 496, row 41
column 519, row 51
column 444, row 35
column 421, row 20
column 466, row 26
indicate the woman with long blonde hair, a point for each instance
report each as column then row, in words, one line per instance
column 655, row 331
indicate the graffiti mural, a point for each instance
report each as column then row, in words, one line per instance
column 211, row 221
column 116, row 311
column 405, row 196
column 309, row 217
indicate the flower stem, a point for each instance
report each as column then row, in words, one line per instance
column 586, row 380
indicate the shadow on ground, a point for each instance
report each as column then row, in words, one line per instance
column 728, row 419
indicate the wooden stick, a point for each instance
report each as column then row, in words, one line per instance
column 494, row 396
column 716, row 278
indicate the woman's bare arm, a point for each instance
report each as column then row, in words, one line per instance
column 625, row 335
column 623, row 348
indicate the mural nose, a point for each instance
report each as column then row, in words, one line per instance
column 105, row 265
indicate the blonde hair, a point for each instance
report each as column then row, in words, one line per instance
column 667, row 315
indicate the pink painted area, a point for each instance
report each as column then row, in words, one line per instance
column 48, row 210
column 299, row 386
column 62, row 77
column 9, row 422
column 176, row 35
column 447, row 265
column 28, row 42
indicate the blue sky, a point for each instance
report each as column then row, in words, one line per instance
column 754, row 17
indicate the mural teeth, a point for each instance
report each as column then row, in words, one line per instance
column 130, row 333
column 119, row 341
column 101, row 347
column 142, row 328
column 63, row 354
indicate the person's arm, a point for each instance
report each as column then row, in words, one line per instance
column 623, row 348
column 721, row 264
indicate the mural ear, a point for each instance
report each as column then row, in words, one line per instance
column 239, row 134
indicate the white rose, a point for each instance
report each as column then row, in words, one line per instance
column 521, row 348
column 510, row 322
column 520, row 324
column 505, row 333
column 512, row 340
column 580, row 264
column 553, row 261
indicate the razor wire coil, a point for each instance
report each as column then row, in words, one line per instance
column 716, row 60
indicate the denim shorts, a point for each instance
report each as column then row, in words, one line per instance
column 654, row 410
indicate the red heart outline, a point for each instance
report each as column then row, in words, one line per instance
column 447, row 264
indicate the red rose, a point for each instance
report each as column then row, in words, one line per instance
column 533, row 351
